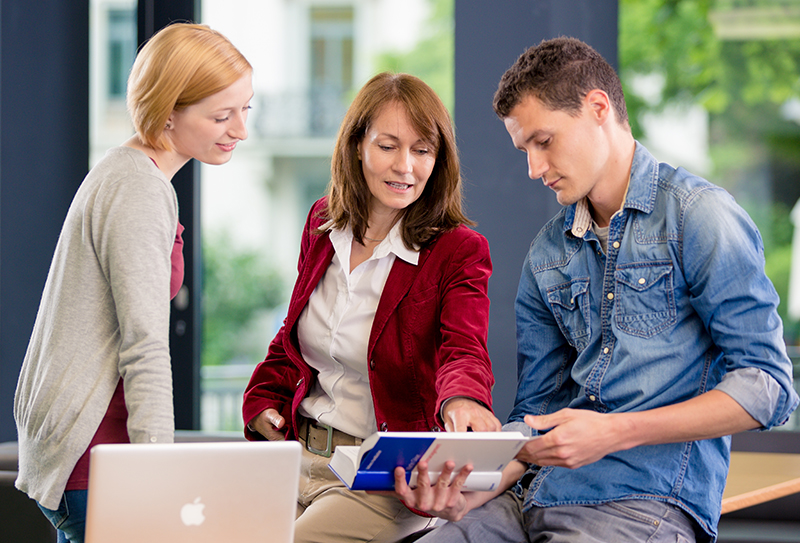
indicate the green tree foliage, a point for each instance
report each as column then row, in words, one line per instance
column 432, row 59
column 237, row 286
column 676, row 39
column 742, row 82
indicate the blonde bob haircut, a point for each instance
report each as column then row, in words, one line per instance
column 438, row 208
column 178, row 66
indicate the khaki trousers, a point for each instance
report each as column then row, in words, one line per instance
column 327, row 512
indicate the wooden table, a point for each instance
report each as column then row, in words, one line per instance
column 760, row 477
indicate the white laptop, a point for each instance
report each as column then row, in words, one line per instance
column 236, row 492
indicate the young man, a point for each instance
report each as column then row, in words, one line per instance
column 647, row 330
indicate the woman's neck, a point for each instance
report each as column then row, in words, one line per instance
column 169, row 162
column 380, row 224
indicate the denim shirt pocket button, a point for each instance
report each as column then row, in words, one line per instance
column 570, row 305
column 645, row 301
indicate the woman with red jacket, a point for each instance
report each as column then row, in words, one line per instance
column 387, row 324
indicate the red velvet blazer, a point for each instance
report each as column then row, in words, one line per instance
column 428, row 339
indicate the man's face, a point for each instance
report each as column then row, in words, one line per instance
column 568, row 153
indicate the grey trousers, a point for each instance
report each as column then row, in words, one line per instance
column 502, row 521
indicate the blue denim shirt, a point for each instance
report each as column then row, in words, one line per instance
column 679, row 300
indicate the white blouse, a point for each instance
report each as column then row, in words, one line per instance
column 334, row 329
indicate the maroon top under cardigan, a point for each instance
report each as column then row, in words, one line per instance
column 114, row 426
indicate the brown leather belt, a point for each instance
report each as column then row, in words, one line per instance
column 322, row 439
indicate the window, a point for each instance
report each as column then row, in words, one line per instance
column 331, row 66
column 308, row 58
column 121, row 49
column 112, row 50
column 713, row 87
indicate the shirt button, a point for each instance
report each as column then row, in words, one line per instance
column 372, row 364
column 153, row 439
column 610, row 296
column 592, row 397
column 616, row 245
column 642, row 281
column 605, row 351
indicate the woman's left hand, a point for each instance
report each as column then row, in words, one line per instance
column 462, row 413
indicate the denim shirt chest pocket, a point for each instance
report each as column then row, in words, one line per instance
column 570, row 306
column 645, row 298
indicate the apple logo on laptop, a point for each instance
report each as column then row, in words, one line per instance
column 192, row 513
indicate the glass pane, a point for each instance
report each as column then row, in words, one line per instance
column 309, row 57
column 714, row 86
column 112, row 50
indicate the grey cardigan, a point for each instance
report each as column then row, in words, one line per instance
column 104, row 313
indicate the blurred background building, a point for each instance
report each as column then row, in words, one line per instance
column 711, row 86
column 309, row 58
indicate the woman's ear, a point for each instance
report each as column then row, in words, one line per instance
column 170, row 121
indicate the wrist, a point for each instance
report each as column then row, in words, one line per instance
column 627, row 430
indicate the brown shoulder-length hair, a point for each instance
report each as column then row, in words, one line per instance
column 439, row 206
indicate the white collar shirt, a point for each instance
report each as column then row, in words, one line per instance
column 334, row 330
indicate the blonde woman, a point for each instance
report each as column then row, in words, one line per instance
column 97, row 368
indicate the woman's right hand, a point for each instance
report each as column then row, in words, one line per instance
column 268, row 423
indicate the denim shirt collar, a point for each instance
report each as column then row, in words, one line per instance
column 641, row 195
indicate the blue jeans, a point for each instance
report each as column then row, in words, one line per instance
column 70, row 517
column 502, row 521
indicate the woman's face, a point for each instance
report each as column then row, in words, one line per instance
column 396, row 161
column 210, row 129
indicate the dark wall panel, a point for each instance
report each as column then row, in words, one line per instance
column 44, row 149
column 509, row 207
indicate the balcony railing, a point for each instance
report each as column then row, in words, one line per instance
column 223, row 387
column 307, row 114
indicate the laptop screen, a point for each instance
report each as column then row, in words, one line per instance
column 235, row 492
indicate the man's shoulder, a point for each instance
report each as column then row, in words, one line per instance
column 554, row 229
column 681, row 194
column 553, row 243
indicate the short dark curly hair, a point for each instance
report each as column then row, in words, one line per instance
column 560, row 72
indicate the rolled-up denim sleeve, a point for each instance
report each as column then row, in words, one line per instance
column 755, row 390
column 518, row 426
column 723, row 262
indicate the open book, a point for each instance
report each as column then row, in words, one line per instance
column 371, row 465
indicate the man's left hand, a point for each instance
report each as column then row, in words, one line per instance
column 576, row 437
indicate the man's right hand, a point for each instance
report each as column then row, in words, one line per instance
column 441, row 498
column 268, row 423
column 446, row 499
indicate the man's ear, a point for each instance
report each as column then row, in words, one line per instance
column 598, row 104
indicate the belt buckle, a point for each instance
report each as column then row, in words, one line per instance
column 326, row 452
